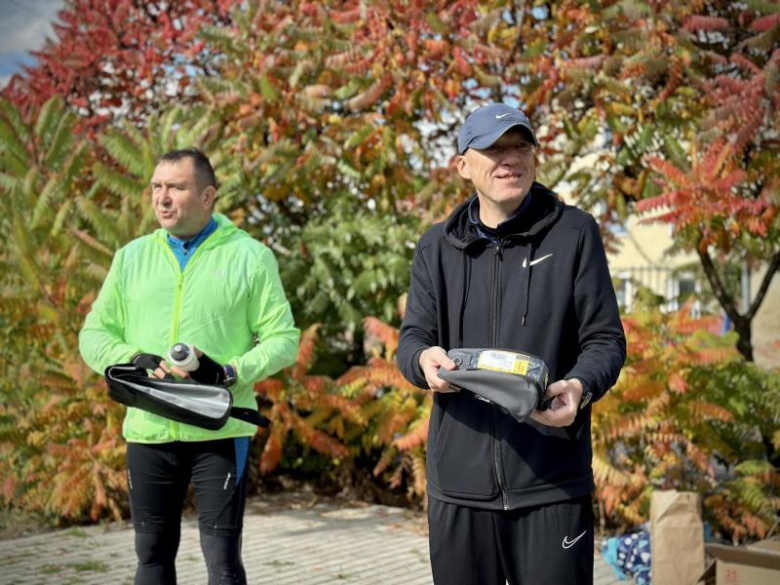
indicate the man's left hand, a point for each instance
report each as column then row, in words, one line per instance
column 566, row 396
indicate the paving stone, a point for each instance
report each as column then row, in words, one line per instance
column 288, row 540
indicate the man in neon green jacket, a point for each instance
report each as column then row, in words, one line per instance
column 202, row 281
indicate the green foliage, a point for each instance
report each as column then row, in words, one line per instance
column 59, row 443
column 349, row 264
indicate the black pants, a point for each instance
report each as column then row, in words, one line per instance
column 158, row 478
column 550, row 544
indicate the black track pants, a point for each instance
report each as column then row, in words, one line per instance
column 550, row 544
column 158, row 478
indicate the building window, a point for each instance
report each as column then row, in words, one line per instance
column 624, row 291
column 681, row 288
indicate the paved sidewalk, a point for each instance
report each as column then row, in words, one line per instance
column 288, row 540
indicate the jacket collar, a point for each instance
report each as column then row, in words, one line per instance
column 225, row 228
column 542, row 211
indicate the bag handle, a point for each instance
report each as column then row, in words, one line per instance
column 251, row 416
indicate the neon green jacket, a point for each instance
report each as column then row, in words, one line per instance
column 228, row 302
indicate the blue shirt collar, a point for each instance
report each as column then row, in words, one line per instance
column 184, row 249
column 196, row 240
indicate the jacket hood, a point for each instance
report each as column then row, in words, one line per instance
column 544, row 210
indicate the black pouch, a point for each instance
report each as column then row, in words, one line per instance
column 514, row 381
column 202, row 405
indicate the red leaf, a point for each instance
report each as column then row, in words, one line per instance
column 764, row 23
column 705, row 23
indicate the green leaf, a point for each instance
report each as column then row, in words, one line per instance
column 102, row 222
column 116, row 182
column 348, row 90
column 268, row 89
column 358, row 137
column 437, row 26
column 48, row 117
column 12, row 116
column 10, row 143
column 9, row 182
column 674, row 150
column 49, row 195
column 59, row 219
column 644, row 139
column 124, row 151
column 348, row 170
column 61, row 143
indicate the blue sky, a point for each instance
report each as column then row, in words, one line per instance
column 24, row 26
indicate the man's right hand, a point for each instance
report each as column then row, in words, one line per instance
column 165, row 370
column 158, row 366
column 430, row 361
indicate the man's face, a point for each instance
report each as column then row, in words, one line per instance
column 503, row 173
column 181, row 206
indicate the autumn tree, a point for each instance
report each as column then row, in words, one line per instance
column 680, row 104
column 333, row 127
column 359, row 101
column 324, row 105
column 119, row 58
column 335, row 106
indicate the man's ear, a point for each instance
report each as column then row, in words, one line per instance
column 463, row 167
column 209, row 196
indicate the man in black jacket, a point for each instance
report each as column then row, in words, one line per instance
column 512, row 268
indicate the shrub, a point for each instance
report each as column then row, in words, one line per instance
column 370, row 416
column 688, row 413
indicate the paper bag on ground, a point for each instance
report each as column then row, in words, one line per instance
column 676, row 538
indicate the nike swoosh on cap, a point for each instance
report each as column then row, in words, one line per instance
column 542, row 259
column 570, row 543
column 501, row 116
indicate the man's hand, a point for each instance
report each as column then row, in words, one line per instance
column 157, row 365
column 431, row 360
column 165, row 369
column 148, row 361
column 566, row 395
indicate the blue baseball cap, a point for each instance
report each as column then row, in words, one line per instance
column 487, row 124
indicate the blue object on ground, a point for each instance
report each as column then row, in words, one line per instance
column 629, row 556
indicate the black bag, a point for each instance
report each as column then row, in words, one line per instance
column 202, row 405
column 514, row 381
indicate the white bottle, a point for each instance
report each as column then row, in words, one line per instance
column 182, row 355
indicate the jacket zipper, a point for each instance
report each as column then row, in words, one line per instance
column 494, row 321
column 176, row 308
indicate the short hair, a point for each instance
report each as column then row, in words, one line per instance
column 204, row 172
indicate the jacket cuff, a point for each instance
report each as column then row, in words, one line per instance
column 587, row 384
column 417, row 373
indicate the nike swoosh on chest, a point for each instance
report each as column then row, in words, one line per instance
column 536, row 261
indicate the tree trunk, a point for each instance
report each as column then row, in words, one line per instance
column 727, row 302
column 743, row 327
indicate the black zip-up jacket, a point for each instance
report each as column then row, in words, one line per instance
column 543, row 289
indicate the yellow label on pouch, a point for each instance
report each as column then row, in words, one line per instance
column 503, row 361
